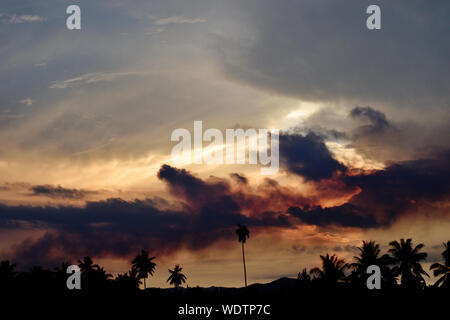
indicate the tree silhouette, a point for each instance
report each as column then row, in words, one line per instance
column 176, row 278
column 144, row 266
column 7, row 276
column 443, row 269
column 407, row 261
column 303, row 278
column 102, row 275
column 332, row 271
column 243, row 234
column 7, row 270
column 88, row 269
column 87, row 266
column 128, row 280
column 370, row 254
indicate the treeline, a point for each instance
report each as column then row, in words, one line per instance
column 399, row 267
column 95, row 280
column 401, row 271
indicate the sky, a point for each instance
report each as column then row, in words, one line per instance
column 86, row 118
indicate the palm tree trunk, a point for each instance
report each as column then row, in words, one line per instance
column 245, row 270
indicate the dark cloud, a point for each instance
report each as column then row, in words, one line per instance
column 307, row 156
column 183, row 183
column 58, row 192
column 115, row 227
column 377, row 119
column 240, row 178
column 403, row 186
column 322, row 50
column 346, row 215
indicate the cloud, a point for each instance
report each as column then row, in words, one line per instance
column 307, row 156
column 90, row 78
column 115, row 227
column 206, row 210
column 346, row 215
column 178, row 20
column 403, row 187
column 28, row 102
column 240, row 178
column 59, row 192
column 377, row 119
column 18, row 19
column 322, row 51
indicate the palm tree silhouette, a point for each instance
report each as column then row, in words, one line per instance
column 144, row 266
column 243, row 233
column 88, row 269
column 176, row 278
column 443, row 269
column 332, row 269
column 370, row 254
column 408, row 265
column 87, row 266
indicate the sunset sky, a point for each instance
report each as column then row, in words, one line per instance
column 86, row 118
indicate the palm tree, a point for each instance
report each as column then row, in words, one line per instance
column 332, row 271
column 144, row 266
column 243, row 234
column 443, row 269
column 176, row 278
column 87, row 266
column 88, row 269
column 370, row 254
column 407, row 261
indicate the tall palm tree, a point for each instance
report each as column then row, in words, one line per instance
column 443, row 269
column 144, row 266
column 407, row 261
column 243, row 234
column 176, row 278
column 88, row 273
column 370, row 254
column 333, row 269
